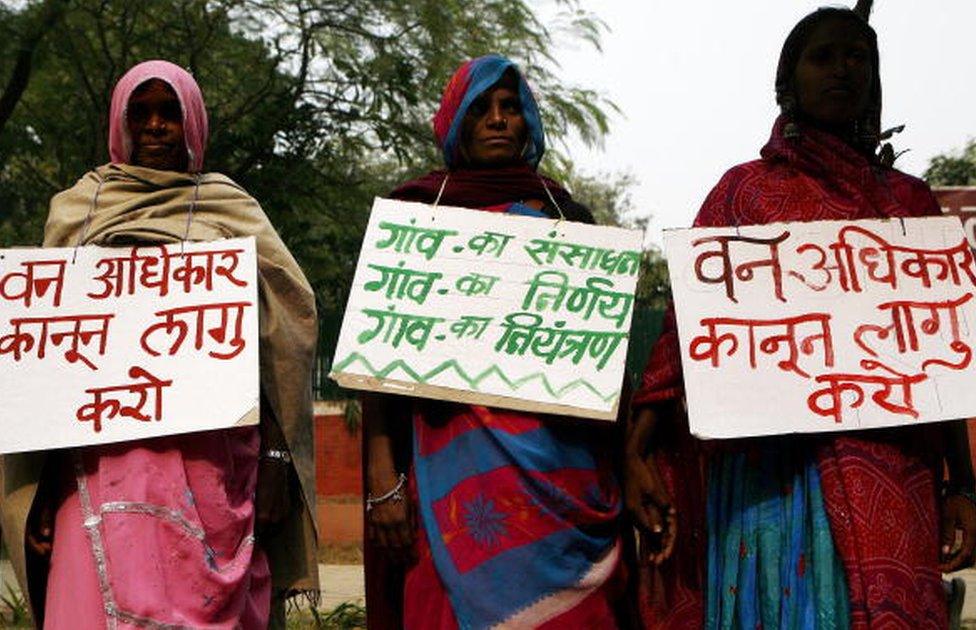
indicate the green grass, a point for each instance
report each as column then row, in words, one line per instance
column 14, row 612
column 345, row 616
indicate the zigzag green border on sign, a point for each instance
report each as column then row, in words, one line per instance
column 472, row 382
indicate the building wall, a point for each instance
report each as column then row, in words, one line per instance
column 338, row 477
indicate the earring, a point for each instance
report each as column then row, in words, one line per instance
column 787, row 105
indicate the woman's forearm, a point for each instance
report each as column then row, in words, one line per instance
column 639, row 431
column 957, row 456
column 379, row 414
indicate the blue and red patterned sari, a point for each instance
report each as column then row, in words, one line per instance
column 519, row 517
column 518, row 512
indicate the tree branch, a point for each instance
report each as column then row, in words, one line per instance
column 50, row 13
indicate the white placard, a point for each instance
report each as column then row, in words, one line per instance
column 103, row 345
column 489, row 308
column 824, row 326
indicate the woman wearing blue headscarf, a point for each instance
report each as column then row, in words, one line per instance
column 516, row 513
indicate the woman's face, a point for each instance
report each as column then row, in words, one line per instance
column 834, row 74
column 494, row 131
column 155, row 121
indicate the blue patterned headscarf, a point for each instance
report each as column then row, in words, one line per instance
column 470, row 81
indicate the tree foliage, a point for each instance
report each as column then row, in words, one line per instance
column 47, row 15
column 953, row 169
column 608, row 197
column 315, row 105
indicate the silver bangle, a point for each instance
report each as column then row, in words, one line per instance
column 277, row 454
column 396, row 494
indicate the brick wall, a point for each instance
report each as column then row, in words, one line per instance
column 339, row 482
column 338, row 477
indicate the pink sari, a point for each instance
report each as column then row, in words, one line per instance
column 160, row 532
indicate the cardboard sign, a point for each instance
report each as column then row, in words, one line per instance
column 824, row 326
column 491, row 309
column 105, row 345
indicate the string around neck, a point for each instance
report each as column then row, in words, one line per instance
column 542, row 180
column 440, row 192
column 189, row 214
column 88, row 217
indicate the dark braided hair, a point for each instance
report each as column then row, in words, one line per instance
column 867, row 129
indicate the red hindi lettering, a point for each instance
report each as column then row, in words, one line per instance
column 708, row 346
column 906, row 333
column 176, row 321
column 156, row 269
column 192, row 274
column 34, row 281
column 858, row 249
column 106, row 407
column 77, row 330
column 839, row 384
column 944, row 260
column 744, row 271
column 123, row 275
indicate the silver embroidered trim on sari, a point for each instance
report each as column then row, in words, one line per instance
column 149, row 509
column 92, row 524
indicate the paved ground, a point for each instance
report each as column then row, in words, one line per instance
column 344, row 583
column 969, row 607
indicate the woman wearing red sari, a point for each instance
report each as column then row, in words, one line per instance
column 827, row 531
column 509, row 518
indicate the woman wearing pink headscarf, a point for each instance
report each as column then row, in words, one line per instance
column 181, row 531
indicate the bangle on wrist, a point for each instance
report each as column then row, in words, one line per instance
column 396, row 494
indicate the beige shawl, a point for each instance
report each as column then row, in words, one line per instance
column 121, row 204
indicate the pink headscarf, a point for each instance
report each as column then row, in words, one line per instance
column 195, row 131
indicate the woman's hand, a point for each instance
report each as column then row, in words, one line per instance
column 645, row 493
column 958, row 515
column 650, row 505
column 273, row 496
column 390, row 523
column 40, row 534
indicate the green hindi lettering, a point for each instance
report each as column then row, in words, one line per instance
column 489, row 243
column 621, row 263
column 475, row 284
column 401, row 283
column 609, row 261
column 407, row 239
column 470, row 326
column 524, row 333
column 399, row 327
column 550, row 291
